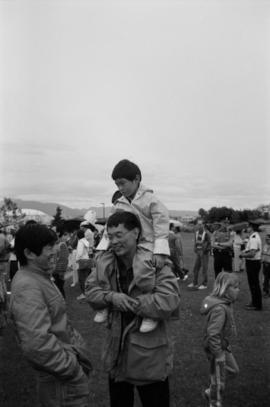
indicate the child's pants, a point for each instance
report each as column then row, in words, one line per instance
column 218, row 373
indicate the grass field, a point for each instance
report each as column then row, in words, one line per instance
column 190, row 375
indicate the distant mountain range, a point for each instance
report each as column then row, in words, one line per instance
column 67, row 212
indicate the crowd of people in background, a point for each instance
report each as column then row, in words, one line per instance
column 124, row 272
column 76, row 251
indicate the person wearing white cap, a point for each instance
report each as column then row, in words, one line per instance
column 88, row 234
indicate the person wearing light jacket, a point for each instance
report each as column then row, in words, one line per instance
column 202, row 248
column 130, row 357
column 55, row 350
column 253, row 255
column 83, row 260
column 153, row 248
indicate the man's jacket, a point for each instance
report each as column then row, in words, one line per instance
column 128, row 354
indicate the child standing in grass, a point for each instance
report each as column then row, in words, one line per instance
column 220, row 324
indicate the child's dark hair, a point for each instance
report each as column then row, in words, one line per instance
column 33, row 237
column 80, row 234
column 128, row 219
column 126, row 169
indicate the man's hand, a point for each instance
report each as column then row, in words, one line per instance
column 159, row 260
column 123, row 302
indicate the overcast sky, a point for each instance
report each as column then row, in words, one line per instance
column 182, row 88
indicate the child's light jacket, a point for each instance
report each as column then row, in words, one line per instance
column 154, row 218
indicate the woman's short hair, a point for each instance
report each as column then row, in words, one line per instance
column 33, row 237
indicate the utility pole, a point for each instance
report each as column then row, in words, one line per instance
column 103, row 209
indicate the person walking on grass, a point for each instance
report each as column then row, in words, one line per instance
column 132, row 358
column 62, row 255
column 222, row 245
column 177, row 231
column 253, row 254
column 175, row 253
column 238, row 246
column 55, row 350
column 73, row 242
column 266, row 266
column 220, row 325
column 4, row 254
column 153, row 248
column 202, row 248
column 83, row 260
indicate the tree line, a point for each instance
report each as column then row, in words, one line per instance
column 217, row 214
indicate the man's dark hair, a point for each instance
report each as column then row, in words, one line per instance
column 255, row 226
column 62, row 232
column 31, row 222
column 126, row 169
column 33, row 237
column 127, row 219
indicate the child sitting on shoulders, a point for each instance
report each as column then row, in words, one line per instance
column 153, row 248
column 220, row 324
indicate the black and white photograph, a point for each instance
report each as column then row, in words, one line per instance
column 134, row 203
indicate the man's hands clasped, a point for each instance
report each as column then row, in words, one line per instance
column 123, row 302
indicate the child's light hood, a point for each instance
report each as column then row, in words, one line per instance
column 210, row 301
column 141, row 191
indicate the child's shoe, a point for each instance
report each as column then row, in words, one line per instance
column 101, row 316
column 206, row 394
column 148, row 325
